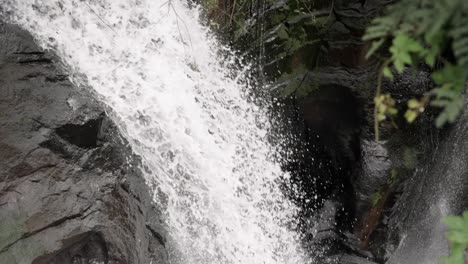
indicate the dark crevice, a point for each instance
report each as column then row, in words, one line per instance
column 51, row 225
column 30, row 53
column 31, row 76
column 42, row 124
column 89, row 247
column 56, row 78
column 82, row 135
column 156, row 235
column 58, row 146
column 21, row 174
column 38, row 60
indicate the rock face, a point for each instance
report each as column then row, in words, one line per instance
column 68, row 193
column 394, row 192
column 437, row 189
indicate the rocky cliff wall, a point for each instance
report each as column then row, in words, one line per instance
column 69, row 192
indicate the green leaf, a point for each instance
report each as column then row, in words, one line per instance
column 406, row 58
column 374, row 47
column 454, row 222
column 410, row 116
column 465, row 218
column 452, row 74
column 392, row 111
column 413, row 103
column 458, row 238
column 431, row 58
column 388, row 73
column 376, row 198
column 282, row 33
column 441, row 119
column 399, row 66
column 403, row 47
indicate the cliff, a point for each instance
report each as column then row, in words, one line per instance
column 69, row 190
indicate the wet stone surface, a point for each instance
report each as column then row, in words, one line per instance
column 68, row 193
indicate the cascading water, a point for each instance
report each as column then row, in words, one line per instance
column 201, row 142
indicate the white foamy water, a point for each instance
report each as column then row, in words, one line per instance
column 202, row 143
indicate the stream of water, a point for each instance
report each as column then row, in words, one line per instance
column 202, row 143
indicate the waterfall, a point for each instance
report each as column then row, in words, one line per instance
column 202, row 143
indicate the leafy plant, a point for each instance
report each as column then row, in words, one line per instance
column 458, row 238
column 422, row 31
column 385, row 106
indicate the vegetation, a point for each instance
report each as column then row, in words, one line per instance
column 430, row 32
column 458, row 238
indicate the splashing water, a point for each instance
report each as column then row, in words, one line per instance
column 202, row 143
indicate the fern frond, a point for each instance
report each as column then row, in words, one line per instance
column 459, row 33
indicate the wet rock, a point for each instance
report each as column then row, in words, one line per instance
column 69, row 188
column 425, row 177
column 352, row 259
column 375, row 172
column 331, row 242
column 79, row 249
column 438, row 188
column 324, row 230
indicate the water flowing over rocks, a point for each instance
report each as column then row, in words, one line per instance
column 186, row 113
column 70, row 190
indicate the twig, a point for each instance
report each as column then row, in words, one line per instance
column 377, row 95
column 100, row 18
column 171, row 6
column 232, row 12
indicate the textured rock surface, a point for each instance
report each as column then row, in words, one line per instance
column 407, row 167
column 67, row 191
column 437, row 189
